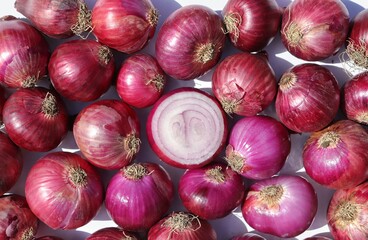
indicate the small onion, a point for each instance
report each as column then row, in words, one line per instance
column 248, row 236
column 182, row 226
column 139, row 195
column 190, row 42
column 63, row 190
column 112, row 233
column 186, row 128
column 337, row 157
column 141, row 81
column 308, row 98
column 283, row 206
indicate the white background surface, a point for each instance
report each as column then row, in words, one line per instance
column 233, row 224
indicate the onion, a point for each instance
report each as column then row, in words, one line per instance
column 24, row 53
column 11, row 162
column 258, row 147
column 2, row 102
column 186, row 128
column 124, row 25
column 140, row 81
column 314, row 32
column 252, row 25
column 17, row 221
column 81, row 70
column 57, row 18
column 112, row 233
column 182, row 226
column 139, row 195
column 355, row 98
column 318, row 238
column 308, row 98
column 63, row 190
column 212, row 191
column 248, row 88
column 107, row 133
column 48, row 238
column 347, row 213
column 248, row 236
column 190, row 42
column 336, row 157
column 35, row 119
column 283, row 206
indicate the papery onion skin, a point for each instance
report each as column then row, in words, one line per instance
column 11, row 162
column 308, row 98
column 124, row 25
column 314, row 33
column 248, row 236
column 190, row 227
column 190, row 42
column 141, row 81
column 212, row 191
column 283, row 206
column 112, row 233
column 63, row 190
column 166, row 128
column 17, row 220
column 336, row 157
column 107, row 133
column 25, row 53
column 35, row 119
column 139, row 195
column 355, row 98
column 81, row 70
column 57, row 19
column 252, row 25
column 258, row 147
column 347, row 213
column 244, row 83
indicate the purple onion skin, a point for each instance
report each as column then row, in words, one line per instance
column 48, row 238
column 112, row 233
column 248, row 236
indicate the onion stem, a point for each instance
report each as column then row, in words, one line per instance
column 272, row 194
column 49, row 105
column 78, row 176
column 204, row 53
column 232, row 22
column 104, row 54
column 329, row 139
column 152, row 17
column 358, row 54
column 215, row 174
column 235, row 161
column 294, row 34
column 346, row 213
column 158, row 81
column 180, row 221
column 363, row 117
column 84, row 22
column 287, row 81
column 28, row 234
column 135, row 171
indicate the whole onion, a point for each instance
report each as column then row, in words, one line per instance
column 35, row 119
column 125, row 25
column 186, row 128
column 112, row 233
column 258, row 147
column 182, row 226
column 244, row 83
column 308, row 98
column 139, row 195
column 336, row 157
column 252, row 25
column 24, row 53
column 190, row 42
column 283, row 206
column 63, row 190
column 313, row 31
column 107, row 133
column 81, row 70
column 347, row 213
column 248, row 236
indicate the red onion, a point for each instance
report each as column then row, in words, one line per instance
column 347, row 213
column 355, row 98
column 182, row 226
column 139, row 195
column 313, row 31
column 63, row 190
column 112, row 233
column 190, row 42
column 81, row 70
column 337, row 156
column 248, row 88
column 212, row 191
column 141, row 80
column 11, row 162
column 284, row 206
column 125, row 25
column 17, row 221
column 48, row 238
column 35, row 119
column 24, row 53
column 249, row 236
column 308, row 98
column 57, row 18
column 258, row 147
column 107, row 133
column 186, row 128
column 252, row 25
